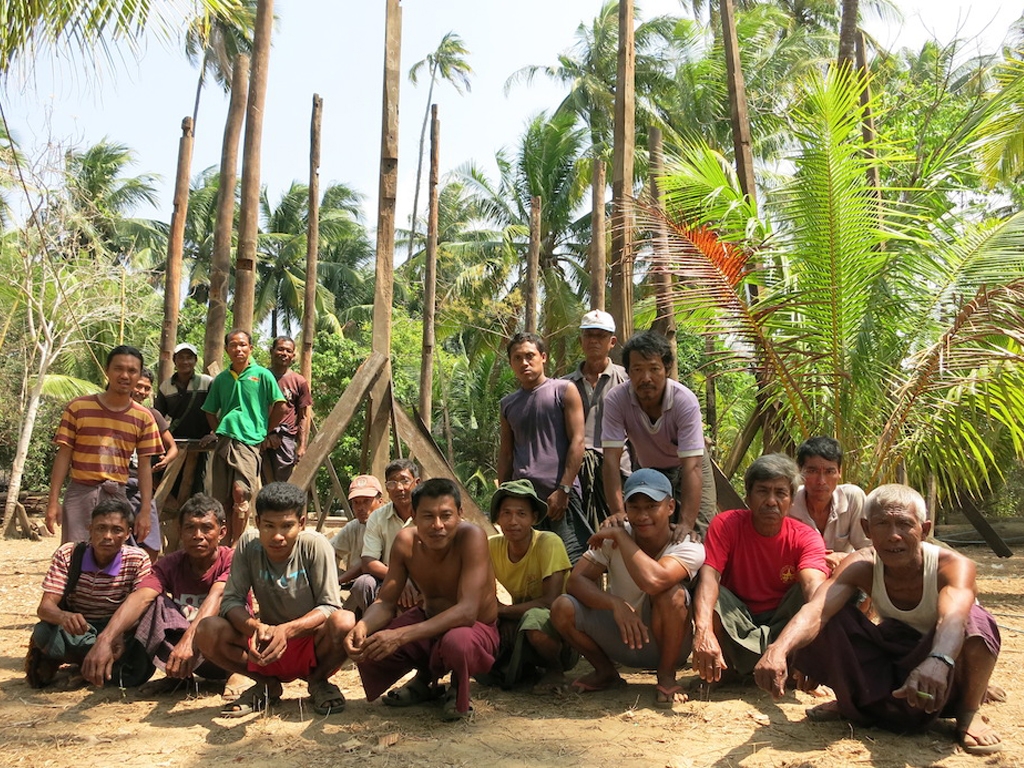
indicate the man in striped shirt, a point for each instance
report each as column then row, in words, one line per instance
column 100, row 579
column 96, row 438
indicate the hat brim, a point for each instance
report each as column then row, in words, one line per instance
column 540, row 509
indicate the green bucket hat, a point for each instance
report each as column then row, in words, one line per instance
column 518, row 489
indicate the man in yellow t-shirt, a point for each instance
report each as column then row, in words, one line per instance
column 532, row 566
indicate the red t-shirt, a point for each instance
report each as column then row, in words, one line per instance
column 296, row 395
column 761, row 569
column 172, row 575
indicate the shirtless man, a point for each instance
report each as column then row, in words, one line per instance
column 931, row 656
column 454, row 631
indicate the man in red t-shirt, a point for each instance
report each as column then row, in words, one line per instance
column 760, row 567
column 286, row 443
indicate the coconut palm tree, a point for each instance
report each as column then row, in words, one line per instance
column 216, row 41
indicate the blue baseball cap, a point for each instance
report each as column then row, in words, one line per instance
column 649, row 482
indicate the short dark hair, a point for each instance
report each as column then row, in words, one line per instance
column 402, row 464
column 825, row 448
column 147, row 374
column 772, row 466
column 435, row 488
column 124, row 349
column 235, row 332
column 648, row 344
column 200, row 505
column 280, row 497
column 112, row 505
column 526, row 338
column 278, row 339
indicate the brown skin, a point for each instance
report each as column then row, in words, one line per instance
column 399, row 485
column 143, row 389
column 821, row 478
column 122, row 375
column 897, row 535
column 527, row 363
column 184, row 367
column 648, row 377
column 769, row 501
column 659, row 578
column 596, row 345
column 282, row 355
column 448, row 559
column 362, row 507
column 199, row 538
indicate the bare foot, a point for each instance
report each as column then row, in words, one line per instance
column 594, row 682
column 553, row 682
column 824, row 713
column 994, row 694
column 668, row 693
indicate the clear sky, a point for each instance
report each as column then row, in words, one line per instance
column 335, row 48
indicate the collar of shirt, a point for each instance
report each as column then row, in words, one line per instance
column 667, row 398
column 89, row 563
column 240, row 375
column 577, row 374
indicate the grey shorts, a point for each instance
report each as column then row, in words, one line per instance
column 599, row 625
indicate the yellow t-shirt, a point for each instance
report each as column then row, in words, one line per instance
column 525, row 580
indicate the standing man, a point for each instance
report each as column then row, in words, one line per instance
column 286, row 443
column 180, row 399
column 833, row 510
column 542, row 441
column 661, row 419
column 96, row 438
column 594, row 378
column 243, row 405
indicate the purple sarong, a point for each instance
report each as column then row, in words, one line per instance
column 864, row 663
column 160, row 630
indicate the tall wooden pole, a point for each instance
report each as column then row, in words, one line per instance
column 665, row 316
column 533, row 267
column 867, row 126
column 312, row 239
column 175, row 247
column 430, row 276
column 248, row 224
column 598, row 251
column 622, row 177
column 384, row 275
column 737, row 102
column 220, row 268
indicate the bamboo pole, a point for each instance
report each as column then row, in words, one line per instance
column 220, row 268
column 598, row 251
column 622, row 177
column 312, row 239
column 533, row 266
column 430, row 275
column 175, row 247
column 248, row 224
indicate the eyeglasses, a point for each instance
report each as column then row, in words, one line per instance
column 393, row 484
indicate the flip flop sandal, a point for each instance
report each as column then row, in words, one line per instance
column 255, row 699
column 325, row 697
column 670, row 696
column 449, row 710
column 409, row 695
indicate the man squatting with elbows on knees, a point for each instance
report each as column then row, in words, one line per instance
column 643, row 620
column 662, row 421
column 299, row 632
column 243, row 405
column 365, row 496
column 833, row 510
column 760, row 567
column 455, row 629
column 163, row 612
column 932, row 654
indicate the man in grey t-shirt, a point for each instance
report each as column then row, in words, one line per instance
column 294, row 578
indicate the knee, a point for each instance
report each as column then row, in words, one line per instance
column 240, row 493
column 563, row 614
column 340, row 623
column 209, row 632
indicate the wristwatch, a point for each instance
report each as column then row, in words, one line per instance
column 566, row 489
column 949, row 661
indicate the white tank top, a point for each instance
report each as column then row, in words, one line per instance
column 924, row 616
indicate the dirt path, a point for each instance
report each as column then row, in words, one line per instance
column 108, row 727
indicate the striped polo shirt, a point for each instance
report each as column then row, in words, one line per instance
column 100, row 591
column 102, row 441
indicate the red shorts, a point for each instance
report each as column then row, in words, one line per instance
column 297, row 662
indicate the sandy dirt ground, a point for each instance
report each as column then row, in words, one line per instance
column 737, row 727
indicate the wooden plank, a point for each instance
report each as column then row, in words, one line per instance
column 982, row 526
column 335, row 424
column 433, row 463
column 170, row 475
column 727, row 496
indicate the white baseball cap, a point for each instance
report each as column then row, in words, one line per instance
column 598, row 319
column 183, row 347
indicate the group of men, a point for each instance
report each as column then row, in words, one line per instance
column 602, row 474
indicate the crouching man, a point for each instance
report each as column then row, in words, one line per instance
column 82, row 590
column 454, row 631
column 643, row 620
column 934, row 651
column 183, row 588
column 298, row 635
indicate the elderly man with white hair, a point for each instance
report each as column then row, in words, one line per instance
column 934, row 651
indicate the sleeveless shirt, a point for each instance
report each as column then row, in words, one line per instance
column 925, row 615
column 537, row 419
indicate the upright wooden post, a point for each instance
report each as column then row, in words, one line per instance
column 312, row 239
column 175, row 247
column 737, row 102
column 867, row 126
column 249, row 211
column 384, row 272
column 665, row 316
column 533, row 266
column 598, row 251
column 430, row 275
column 622, row 177
column 220, row 268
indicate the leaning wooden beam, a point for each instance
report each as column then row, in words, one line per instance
column 982, row 526
column 433, row 463
column 727, row 496
column 170, row 475
column 335, row 424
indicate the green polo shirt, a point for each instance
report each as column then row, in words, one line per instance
column 243, row 401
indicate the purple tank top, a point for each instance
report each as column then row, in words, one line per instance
column 537, row 419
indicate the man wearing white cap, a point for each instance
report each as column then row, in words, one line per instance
column 594, row 377
column 364, row 496
column 180, row 399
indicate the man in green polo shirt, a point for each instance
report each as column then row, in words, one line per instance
column 243, row 405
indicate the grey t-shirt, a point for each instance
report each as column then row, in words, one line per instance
column 285, row 591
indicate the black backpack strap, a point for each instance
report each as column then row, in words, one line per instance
column 74, row 571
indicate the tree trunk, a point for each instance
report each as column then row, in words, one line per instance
column 419, row 163
column 867, row 127
column 622, row 177
column 430, row 276
column 847, row 34
column 737, row 103
column 665, row 317
column 175, row 248
column 220, row 268
column 533, row 267
column 312, row 239
column 248, row 225
column 384, row 273
column 28, row 426
column 598, row 255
